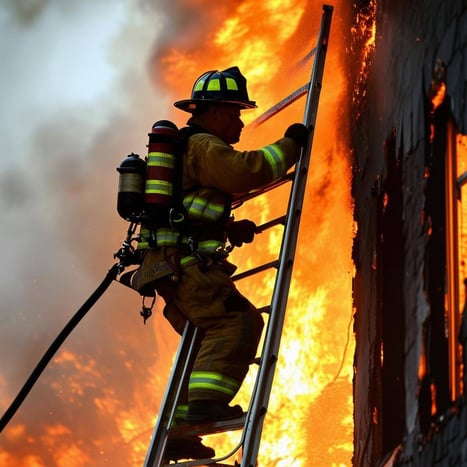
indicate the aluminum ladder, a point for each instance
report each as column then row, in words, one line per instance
column 251, row 423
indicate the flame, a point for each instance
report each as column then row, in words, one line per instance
column 437, row 92
column 309, row 420
column 364, row 32
column 461, row 149
column 314, row 370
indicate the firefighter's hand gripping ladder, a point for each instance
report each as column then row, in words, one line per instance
column 252, row 422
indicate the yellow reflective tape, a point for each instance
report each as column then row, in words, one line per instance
column 211, row 375
column 213, row 381
column 161, row 159
column 212, row 387
column 187, row 260
column 158, row 187
column 200, row 208
column 143, row 241
column 214, row 85
column 275, row 158
column 181, row 410
column 143, row 244
column 168, row 237
column 231, row 84
column 210, row 246
column 199, row 85
column 213, row 211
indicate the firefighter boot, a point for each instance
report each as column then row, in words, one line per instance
column 212, row 411
column 188, row 447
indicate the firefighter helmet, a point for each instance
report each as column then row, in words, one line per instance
column 218, row 86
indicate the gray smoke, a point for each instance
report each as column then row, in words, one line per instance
column 77, row 97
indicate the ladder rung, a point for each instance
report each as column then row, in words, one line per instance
column 267, row 225
column 251, row 272
column 238, row 201
column 290, row 99
column 199, row 463
column 207, row 428
column 251, row 424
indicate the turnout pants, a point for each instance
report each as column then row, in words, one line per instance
column 229, row 327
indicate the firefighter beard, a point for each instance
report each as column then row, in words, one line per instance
column 229, row 329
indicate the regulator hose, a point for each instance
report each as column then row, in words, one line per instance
column 87, row 305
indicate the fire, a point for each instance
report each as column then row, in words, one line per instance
column 461, row 148
column 461, row 156
column 364, row 32
column 309, row 420
column 313, row 375
column 257, row 47
column 437, row 92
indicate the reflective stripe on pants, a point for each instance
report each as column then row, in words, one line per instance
column 230, row 325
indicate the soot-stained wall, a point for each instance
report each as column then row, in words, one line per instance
column 398, row 251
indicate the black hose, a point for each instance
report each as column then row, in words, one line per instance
column 111, row 275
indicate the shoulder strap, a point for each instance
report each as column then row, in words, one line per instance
column 188, row 131
column 184, row 135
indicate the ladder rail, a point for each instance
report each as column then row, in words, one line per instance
column 252, row 428
column 281, row 220
column 154, row 456
column 281, row 288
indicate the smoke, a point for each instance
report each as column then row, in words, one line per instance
column 77, row 98
column 24, row 11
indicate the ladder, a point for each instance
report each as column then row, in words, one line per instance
column 251, row 422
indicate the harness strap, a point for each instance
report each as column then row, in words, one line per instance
column 165, row 237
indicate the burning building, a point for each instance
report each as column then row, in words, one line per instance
column 97, row 401
column 389, row 150
column 409, row 144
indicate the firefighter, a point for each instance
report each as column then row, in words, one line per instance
column 198, row 287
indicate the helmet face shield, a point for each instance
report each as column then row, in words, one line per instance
column 227, row 86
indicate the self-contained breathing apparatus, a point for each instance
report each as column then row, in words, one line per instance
column 150, row 196
column 149, row 190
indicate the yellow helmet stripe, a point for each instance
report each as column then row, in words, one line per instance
column 199, row 85
column 231, row 84
column 214, row 84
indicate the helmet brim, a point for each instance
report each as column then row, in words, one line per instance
column 190, row 105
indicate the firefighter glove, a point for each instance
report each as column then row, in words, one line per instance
column 299, row 133
column 240, row 232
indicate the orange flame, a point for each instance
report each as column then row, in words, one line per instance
column 312, row 385
column 364, row 31
column 461, row 148
column 312, row 391
column 309, row 420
